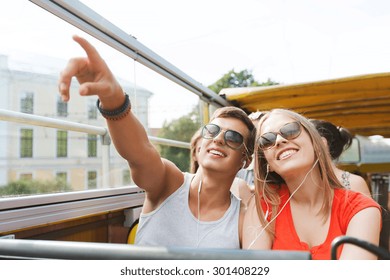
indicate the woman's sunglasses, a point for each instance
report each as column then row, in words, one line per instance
column 232, row 138
column 288, row 131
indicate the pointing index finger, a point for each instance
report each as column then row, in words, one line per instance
column 90, row 50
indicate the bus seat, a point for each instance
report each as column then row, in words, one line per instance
column 132, row 232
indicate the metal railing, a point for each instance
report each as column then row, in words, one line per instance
column 35, row 120
column 27, row 211
column 86, row 19
column 42, row 249
column 12, row 116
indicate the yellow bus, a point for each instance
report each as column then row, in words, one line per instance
column 98, row 218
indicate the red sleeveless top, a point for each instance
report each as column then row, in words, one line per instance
column 345, row 205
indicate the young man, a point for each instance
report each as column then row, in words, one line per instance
column 180, row 209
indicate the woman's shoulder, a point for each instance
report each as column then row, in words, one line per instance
column 358, row 184
column 348, row 203
column 344, row 198
column 353, row 182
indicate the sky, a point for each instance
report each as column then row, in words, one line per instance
column 285, row 41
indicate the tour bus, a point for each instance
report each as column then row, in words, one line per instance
column 359, row 103
column 96, row 216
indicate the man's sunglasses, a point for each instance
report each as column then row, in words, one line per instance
column 288, row 131
column 232, row 138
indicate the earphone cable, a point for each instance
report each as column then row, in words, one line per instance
column 284, row 205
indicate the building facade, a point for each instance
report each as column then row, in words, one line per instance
column 42, row 153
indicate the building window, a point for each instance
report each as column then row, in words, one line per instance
column 62, row 177
column 26, row 177
column 92, row 110
column 27, row 102
column 62, row 143
column 92, row 145
column 62, row 108
column 126, row 179
column 26, row 143
column 92, row 179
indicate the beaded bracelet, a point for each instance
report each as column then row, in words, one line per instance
column 116, row 114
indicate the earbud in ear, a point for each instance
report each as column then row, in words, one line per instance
column 267, row 167
column 243, row 164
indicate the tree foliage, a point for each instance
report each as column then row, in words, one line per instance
column 183, row 128
column 180, row 129
column 243, row 78
column 29, row 187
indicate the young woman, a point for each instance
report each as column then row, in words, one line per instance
column 299, row 203
column 339, row 139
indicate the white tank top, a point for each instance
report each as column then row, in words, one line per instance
column 172, row 224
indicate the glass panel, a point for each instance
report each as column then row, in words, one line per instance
column 62, row 108
column 27, row 102
column 92, row 110
column 126, row 177
column 62, row 176
column 33, row 52
column 62, row 143
column 352, row 154
column 92, row 145
column 92, row 182
column 26, row 143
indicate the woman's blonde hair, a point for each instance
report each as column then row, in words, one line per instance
column 267, row 184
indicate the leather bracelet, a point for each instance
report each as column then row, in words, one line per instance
column 118, row 113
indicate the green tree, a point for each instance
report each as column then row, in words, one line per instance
column 180, row 129
column 183, row 128
column 243, row 78
column 29, row 187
